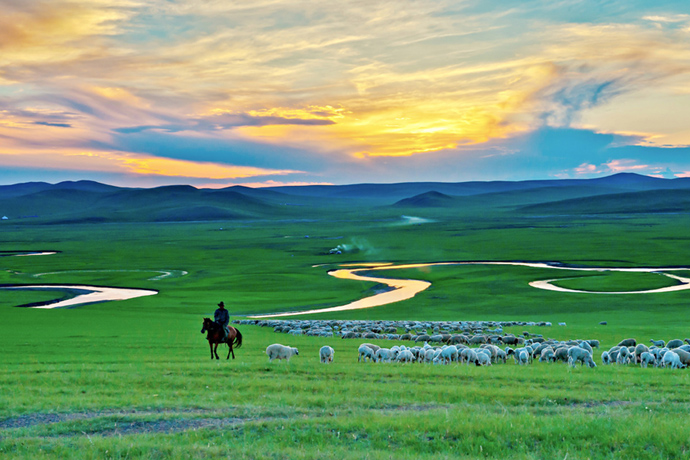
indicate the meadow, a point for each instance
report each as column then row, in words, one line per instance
column 133, row 379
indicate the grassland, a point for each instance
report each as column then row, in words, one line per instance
column 133, row 379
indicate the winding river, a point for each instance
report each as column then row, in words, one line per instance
column 86, row 294
column 403, row 289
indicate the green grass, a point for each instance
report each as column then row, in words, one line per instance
column 133, row 379
column 618, row 282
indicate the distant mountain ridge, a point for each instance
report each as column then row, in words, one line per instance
column 88, row 201
column 398, row 191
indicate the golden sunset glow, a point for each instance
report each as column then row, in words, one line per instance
column 168, row 167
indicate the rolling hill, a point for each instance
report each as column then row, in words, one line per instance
column 87, row 201
column 648, row 201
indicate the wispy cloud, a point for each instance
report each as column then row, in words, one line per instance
column 323, row 91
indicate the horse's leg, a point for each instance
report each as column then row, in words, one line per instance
column 210, row 346
column 215, row 350
column 230, row 351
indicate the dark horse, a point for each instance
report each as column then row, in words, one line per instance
column 214, row 336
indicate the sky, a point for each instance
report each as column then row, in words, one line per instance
column 215, row 93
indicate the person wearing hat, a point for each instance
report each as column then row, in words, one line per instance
column 222, row 317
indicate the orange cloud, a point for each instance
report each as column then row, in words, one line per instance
column 129, row 163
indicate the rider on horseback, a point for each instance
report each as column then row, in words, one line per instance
column 222, row 317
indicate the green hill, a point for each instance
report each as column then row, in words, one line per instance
column 651, row 201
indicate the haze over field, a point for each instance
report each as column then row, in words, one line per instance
column 213, row 93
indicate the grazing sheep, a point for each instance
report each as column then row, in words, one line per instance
column 477, row 340
column 624, row 356
column 675, row 343
column 510, row 340
column 647, row 358
column 530, row 350
column 364, row 353
column 421, row 338
column 501, row 356
column 639, row 349
column 493, row 349
column 278, row 351
column 576, row 354
column 469, row 355
column 627, row 343
column 429, row 355
column 457, row 339
column 483, row 359
column 373, row 347
column 449, row 354
column 405, row 356
column 593, row 343
column 547, row 355
column 658, row 343
column 484, row 351
column 671, row 359
column 561, row 354
column 326, row 354
column 523, row 358
column 606, row 358
column 383, row 355
column 683, row 355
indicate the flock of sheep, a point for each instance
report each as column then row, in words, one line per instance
column 674, row 354
column 478, row 343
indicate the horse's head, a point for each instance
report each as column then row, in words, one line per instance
column 207, row 325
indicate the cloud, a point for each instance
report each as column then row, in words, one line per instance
column 224, row 122
column 343, row 92
column 58, row 125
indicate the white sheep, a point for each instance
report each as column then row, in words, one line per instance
column 278, row 351
column 469, row 355
column 326, row 354
column 606, row 358
column 523, row 357
column 449, row 354
column 428, row 355
column 658, row 343
column 365, row 353
column 647, row 358
column 383, row 355
column 576, row 354
column 373, row 347
column 484, row 359
column 673, row 360
column 501, row 356
column 405, row 356
column 624, row 356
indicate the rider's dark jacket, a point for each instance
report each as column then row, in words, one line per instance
column 222, row 317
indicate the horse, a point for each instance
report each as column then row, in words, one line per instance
column 214, row 334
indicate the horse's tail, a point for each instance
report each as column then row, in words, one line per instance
column 237, row 343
